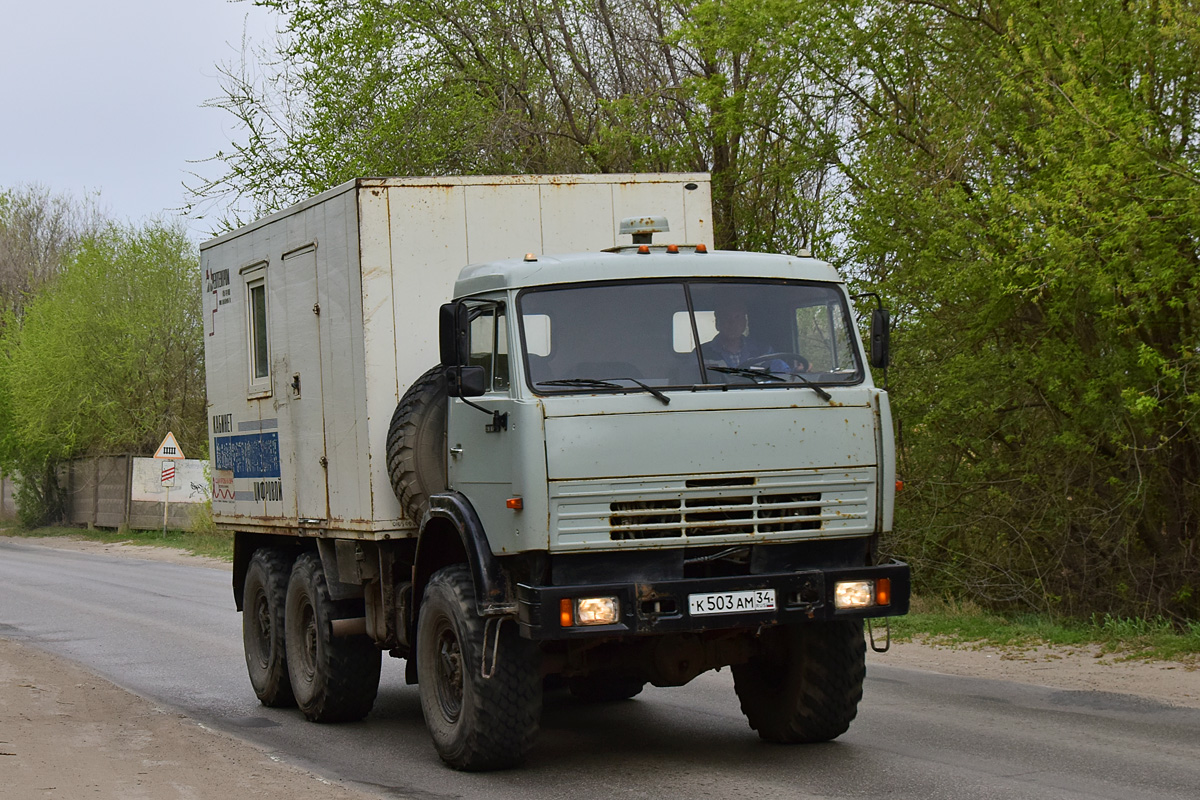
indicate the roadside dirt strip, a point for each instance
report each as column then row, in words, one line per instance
column 65, row 733
column 1077, row 669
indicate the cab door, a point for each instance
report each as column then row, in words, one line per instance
column 478, row 440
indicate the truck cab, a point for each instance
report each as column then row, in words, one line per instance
column 670, row 415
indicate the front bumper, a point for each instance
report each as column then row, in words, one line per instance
column 658, row 607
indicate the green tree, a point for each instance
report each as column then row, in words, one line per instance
column 1028, row 195
column 106, row 358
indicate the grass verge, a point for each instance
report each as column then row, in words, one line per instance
column 963, row 624
column 212, row 543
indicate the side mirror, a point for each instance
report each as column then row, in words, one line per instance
column 881, row 334
column 466, row 381
column 454, row 322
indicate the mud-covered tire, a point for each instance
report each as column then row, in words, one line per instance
column 263, row 600
column 416, row 443
column 805, row 683
column 476, row 723
column 604, row 687
column 334, row 678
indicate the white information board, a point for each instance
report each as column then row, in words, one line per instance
column 190, row 484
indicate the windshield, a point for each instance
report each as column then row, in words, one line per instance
column 629, row 336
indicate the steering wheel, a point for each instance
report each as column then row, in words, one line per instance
column 790, row 358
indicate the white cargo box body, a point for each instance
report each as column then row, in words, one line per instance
column 318, row 318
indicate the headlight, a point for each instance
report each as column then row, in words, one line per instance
column 589, row 611
column 853, row 594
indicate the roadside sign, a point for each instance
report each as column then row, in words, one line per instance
column 169, row 448
column 168, row 474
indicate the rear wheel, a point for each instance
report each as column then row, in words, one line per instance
column 263, row 601
column 805, row 682
column 477, row 723
column 334, row 678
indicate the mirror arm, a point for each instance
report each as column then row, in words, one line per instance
column 878, row 299
column 499, row 421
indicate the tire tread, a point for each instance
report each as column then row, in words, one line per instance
column 347, row 679
column 509, row 704
column 275, row 690
column 814, row 695
column 416, row 446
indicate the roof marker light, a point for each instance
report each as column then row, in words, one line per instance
column 702, row 248
column 672, row 248
column 531, row 257
column 643, row 249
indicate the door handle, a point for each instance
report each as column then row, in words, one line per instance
column 456, row 450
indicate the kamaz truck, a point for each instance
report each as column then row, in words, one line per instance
column 535, row 431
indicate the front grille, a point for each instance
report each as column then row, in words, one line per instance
column 719, row 509
column 715, row 516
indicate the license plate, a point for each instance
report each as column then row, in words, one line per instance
column 700, row 605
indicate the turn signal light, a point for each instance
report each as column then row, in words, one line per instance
column 514, row 503
column 566, row 612
column 883, row 592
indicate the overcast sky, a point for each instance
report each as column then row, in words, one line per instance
column 105, row 96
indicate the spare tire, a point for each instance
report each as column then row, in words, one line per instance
column 416, row 443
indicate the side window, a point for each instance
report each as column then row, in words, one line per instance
column 821, row 337
column 489, row 345
column 259, row 345
column 500, row 363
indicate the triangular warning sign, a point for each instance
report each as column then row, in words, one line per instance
column 169, row 448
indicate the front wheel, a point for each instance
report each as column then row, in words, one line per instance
column 805, row 682
column 477, row 723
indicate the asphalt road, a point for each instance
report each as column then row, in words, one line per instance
column 171, row 633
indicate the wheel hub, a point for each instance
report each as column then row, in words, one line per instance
column 309, row 654
column 262, row 618
column 449, row 675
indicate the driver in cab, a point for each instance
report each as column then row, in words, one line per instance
column 734, row 347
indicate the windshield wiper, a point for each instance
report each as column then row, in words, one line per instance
column 766, row 373
column 746, row 372
column 597, row 383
